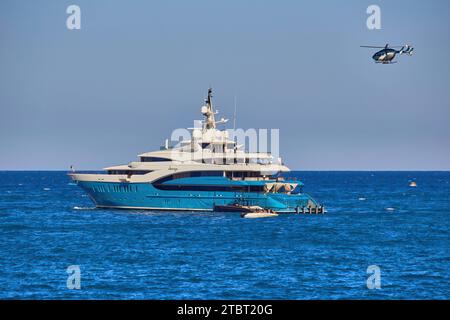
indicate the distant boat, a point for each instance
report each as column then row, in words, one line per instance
column 259, row 214
column 413, row 184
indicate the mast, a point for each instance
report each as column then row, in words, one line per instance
column 208, row 112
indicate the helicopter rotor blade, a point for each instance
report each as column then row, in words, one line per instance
column 383, row 47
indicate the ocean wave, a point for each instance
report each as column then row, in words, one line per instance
column 84, row 208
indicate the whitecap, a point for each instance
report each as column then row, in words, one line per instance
column 361, row 199
column 47, row 189
column 71, row 184
column 83, row 208
column 389, row 209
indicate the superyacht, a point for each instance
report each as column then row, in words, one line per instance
column 207, row 171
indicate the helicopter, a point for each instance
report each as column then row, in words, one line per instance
column 387, row 53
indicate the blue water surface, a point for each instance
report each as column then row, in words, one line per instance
column 374, row 218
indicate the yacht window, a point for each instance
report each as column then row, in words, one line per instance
column 153, row 159
column 191, row 174
column 128, row 172
column 243, row 174
column 208, row 174
column 208, row 188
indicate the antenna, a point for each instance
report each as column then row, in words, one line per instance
column 234, row 117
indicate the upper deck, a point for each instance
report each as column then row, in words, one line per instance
column 208, row 149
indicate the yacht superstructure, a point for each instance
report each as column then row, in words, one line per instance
column 200, row 173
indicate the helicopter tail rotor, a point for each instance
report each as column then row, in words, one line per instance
column 410, row 51
column 406, row 49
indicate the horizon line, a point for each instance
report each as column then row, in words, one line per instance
column 304, row 170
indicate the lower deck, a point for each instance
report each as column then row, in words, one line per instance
column 146, row 196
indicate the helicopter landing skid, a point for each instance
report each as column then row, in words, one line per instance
column 388, row 62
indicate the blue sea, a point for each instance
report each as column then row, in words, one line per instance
column 374, row 219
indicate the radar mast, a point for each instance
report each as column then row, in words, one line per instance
column 208, row 112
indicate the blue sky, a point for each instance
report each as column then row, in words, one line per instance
column 139, row 69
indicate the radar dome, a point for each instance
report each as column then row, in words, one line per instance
column 196, row 134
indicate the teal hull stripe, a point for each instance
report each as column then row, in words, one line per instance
column 145, row 196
